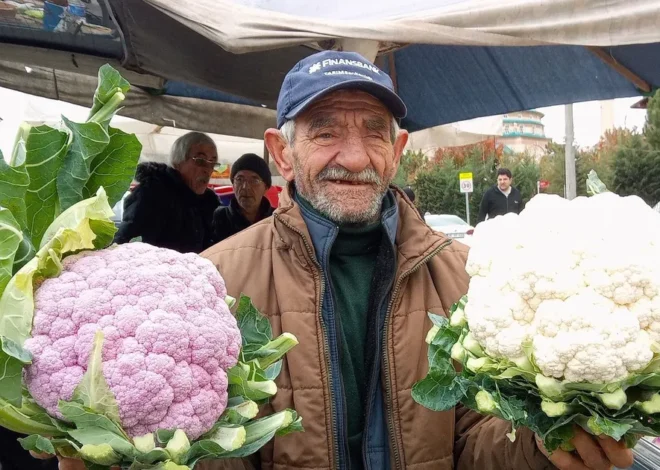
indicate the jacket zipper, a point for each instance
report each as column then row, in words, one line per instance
column 326, row 348
column 388, row 389
column 342, row 444
column 373, row 384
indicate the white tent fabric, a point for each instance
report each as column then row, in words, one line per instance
column 250, row 25
column 156, row 140
column 456, row 134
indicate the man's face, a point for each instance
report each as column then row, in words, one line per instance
column 196, row 170
column 503, row 182
column 249, row 189
column 342, row 158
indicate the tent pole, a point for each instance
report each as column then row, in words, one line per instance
column 366, row 48
column 625, row 72
column 571, row 185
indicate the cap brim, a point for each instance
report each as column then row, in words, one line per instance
column 390, row 99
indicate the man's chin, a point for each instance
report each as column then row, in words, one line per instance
column 349, row 209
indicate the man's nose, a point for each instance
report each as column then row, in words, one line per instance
column 353, row 154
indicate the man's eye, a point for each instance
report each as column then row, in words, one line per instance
column 375, row 136
column 326, row 135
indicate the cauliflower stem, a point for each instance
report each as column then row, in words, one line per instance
column 520, row 393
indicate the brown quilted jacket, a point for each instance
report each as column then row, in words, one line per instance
column 273, row 262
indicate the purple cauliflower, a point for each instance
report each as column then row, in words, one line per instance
column 169, row 337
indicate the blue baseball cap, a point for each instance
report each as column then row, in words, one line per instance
column 324, row 72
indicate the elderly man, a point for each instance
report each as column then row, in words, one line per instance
column 251, row 178
column 347, row 265
column 172, row 207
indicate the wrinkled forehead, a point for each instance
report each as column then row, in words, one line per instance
column 346, row 105
column 203, row 150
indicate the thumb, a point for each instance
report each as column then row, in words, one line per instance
column 40, row 455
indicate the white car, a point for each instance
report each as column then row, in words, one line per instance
column 451, row 225
column 118, row 209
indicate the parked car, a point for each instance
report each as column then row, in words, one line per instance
column 647, row 455
column 451, row 225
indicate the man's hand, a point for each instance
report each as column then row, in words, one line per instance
column 591, row 453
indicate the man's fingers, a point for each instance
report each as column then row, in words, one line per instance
column 64, row 463
column 565, row 461
column 71, row 464
column 591, row 453
column 617, row 452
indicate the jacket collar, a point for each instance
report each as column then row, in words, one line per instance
column 323, row 231
column 413, row 238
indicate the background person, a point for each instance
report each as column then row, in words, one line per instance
column 251, row 178
column 172, row 207
column 501, row 198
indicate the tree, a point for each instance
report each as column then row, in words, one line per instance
column 437, row 184
column 438, row 191
column 637, row 161
column 488, row 148
column 411, row 163
column 599, row 158
column 637, row 171
column 652, row 127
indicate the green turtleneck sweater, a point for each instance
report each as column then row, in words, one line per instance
column 352, row 261
column 351, row 264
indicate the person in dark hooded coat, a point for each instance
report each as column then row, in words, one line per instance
column 251, row 178
column 172, row 206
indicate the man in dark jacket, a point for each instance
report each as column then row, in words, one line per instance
column 411, row 195
column 172, row 206
column 251, row 178
column 501, row 198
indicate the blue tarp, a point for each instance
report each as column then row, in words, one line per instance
column 443, row 84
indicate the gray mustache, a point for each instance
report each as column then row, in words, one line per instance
column 368, row 175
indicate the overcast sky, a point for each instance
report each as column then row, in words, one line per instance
column 586, row 117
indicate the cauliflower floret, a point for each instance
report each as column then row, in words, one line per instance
column 647, row 312
column 563, row 283
column 169, row 336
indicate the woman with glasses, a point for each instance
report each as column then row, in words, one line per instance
column 172, row 207
column 251, row 178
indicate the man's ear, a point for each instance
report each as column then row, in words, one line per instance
column 281, row 153
column 399, row 146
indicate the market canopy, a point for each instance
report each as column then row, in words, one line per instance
column 451, row 60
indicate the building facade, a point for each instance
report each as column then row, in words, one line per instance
column 524, row 132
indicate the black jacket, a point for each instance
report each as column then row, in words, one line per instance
column 495, row 203
column 228, row 221
column 166, row 213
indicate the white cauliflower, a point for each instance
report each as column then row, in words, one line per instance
column 563, row 278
